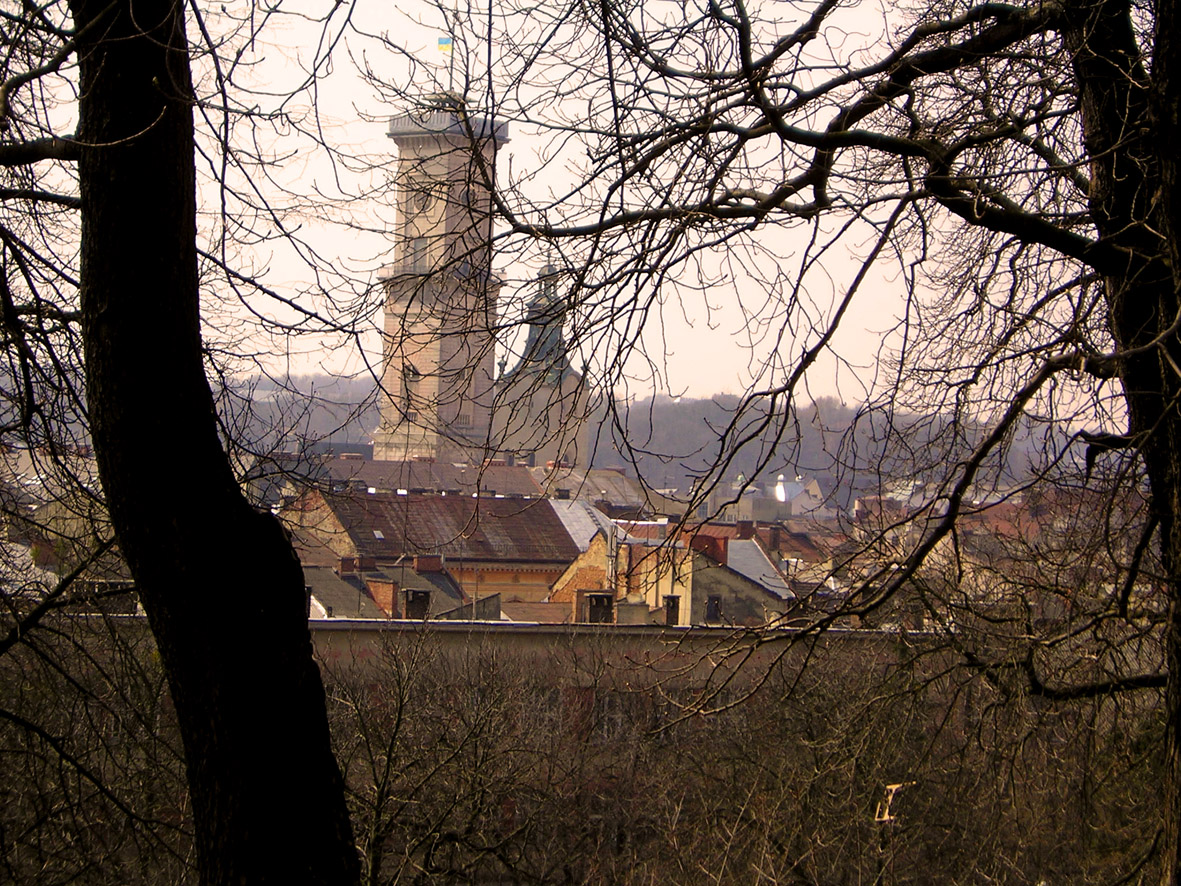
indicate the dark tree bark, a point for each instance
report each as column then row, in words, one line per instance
column 1165, row 126
column 221, row 586
column 1130, row 199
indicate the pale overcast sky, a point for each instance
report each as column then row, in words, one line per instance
column 702, row 343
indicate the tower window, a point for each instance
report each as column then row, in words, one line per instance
column 419, row 200
column 416, row 254
column 410, row 397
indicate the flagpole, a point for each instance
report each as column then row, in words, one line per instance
column 446, row 44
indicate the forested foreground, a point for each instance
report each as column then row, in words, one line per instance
column 489, row 766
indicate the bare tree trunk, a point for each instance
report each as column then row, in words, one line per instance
column 1166, row 130
column 1131, row 214
column 220, row 583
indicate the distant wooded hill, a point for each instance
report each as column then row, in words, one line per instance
column 672, row 443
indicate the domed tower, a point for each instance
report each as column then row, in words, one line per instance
column 440, row 306
column 542, row 413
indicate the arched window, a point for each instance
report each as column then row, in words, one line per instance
column 411, row 378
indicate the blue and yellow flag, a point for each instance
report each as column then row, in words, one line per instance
column 444, row 44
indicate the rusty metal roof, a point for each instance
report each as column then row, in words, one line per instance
column 388, row 525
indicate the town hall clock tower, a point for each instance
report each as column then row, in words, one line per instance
column 440, row 293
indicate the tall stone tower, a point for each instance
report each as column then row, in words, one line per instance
column 440, row 305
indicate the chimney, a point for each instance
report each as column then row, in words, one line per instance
column 347, row 566
column 716, row 548
column 746, row 529
column 384, row 594
column 428, row 563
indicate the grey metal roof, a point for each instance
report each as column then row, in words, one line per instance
column 747, row 557
column 583, row 521
column 340, row 598
column 444, row 114
column 407, row 578
column 593, row 484
column 389, row 476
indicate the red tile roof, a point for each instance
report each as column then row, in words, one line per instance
column 814, row 543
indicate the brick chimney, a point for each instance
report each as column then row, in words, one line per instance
column 428, row 563
column 385, row 594
column 716, row 548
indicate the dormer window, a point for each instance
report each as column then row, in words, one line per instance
column 418, row 604
column 600, row 608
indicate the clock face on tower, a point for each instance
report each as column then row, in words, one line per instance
column 419, row 200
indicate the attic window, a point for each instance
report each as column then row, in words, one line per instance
column 672, row 609
column 379, row 535
column 713, row 609
column 600, row 608
column 418, row 604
